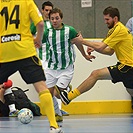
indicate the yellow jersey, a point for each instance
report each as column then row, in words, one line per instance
column 120, row 39
column 16, row 41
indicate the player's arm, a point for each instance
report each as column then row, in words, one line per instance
column 87, row 57
column 107, row 51
column 39, row 35
column 80, row 47
column 37, row 19
column 100, row 47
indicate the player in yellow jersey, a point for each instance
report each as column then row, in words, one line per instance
column 119, row 41
column 18, row 53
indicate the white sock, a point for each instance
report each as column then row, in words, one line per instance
column 59, row 103
column 56, row 106
column 12, row 108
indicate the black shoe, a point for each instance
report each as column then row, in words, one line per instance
column 64, row 97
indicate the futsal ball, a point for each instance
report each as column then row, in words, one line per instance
column 25, row 116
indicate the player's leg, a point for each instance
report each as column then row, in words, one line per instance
column 126, row 76
column 9, row 98
column 32, row 72
column 47, row 105
column 10, row 101
column 51, row 82
column 86, row 85
column 56, row 93
column 46, row 102
column 58, row 114
column 64, row 80
column 130, row 91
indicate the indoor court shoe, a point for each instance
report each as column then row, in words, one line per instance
column 14, row 113
column 64, row 97
column 58, row 118
column 55, row 130
column 64, row 113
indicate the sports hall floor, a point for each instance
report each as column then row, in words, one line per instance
column 111, row 123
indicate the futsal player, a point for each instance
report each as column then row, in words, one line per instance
column 61, row 60
column 119, row 41
column 18, row 53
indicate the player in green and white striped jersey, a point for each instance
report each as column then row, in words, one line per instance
column 61, row 52
column 43, row 54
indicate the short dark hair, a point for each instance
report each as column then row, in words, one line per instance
column 113, row 12
column 47, row 3
column 56, row 10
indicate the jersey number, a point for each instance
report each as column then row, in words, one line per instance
column 9, row 19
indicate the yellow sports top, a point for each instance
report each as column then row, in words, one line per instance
column 16, row 41
column 121, row 40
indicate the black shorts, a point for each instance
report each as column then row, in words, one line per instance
column 30, row 70
column 122, row 73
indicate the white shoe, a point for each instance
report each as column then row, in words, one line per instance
column 55, row 130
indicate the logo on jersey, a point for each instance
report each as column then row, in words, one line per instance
column 66, row 37
column 11, row 37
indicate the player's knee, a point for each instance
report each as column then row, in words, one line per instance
column 95, row 74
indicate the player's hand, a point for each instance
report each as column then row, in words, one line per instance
column 78, row 39
column 89, row 57
column 37, row 42
column 89, row 50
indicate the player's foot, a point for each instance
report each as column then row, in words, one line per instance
column 64, row 97
column 59, row 118
column 55, row 130
column 14, row 113
column 64, row 113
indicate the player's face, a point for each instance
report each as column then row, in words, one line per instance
column 109, row 21
column 56, row 20
column 46, row 11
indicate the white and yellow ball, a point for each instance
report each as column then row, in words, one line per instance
column 25, row 116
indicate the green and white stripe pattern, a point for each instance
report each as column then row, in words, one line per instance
column 44, row 50
column 61, row 51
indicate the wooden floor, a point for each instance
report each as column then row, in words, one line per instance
column 113, row 123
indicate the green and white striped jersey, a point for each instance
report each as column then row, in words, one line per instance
column 61, row 51
column 43, row 51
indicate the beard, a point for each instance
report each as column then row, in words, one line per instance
column 111, row 25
